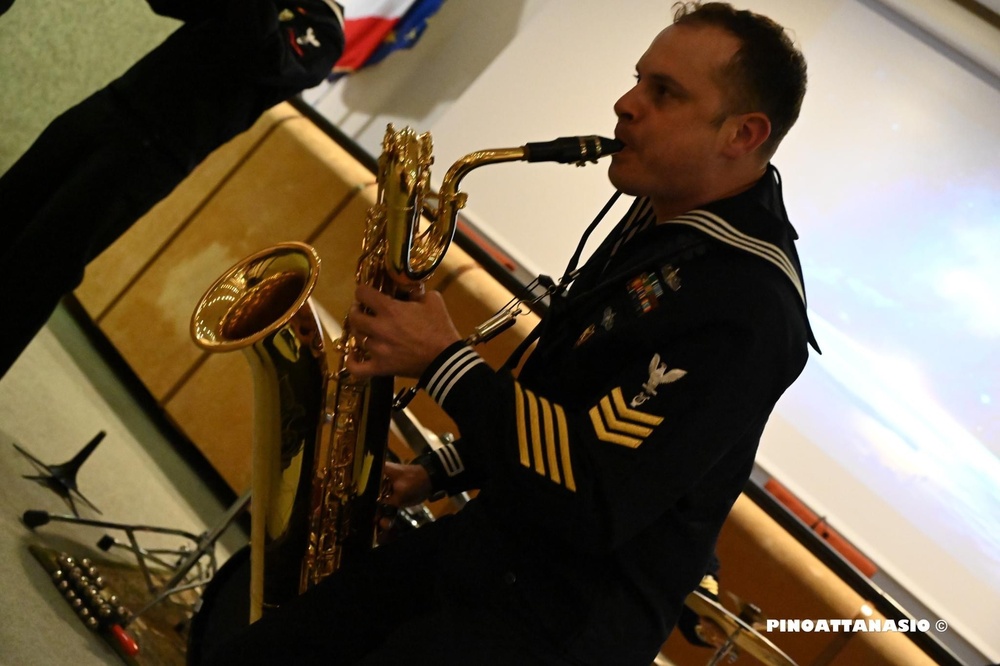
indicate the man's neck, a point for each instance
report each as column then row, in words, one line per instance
column 667, row 210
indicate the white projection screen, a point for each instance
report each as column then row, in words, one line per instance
column 892, row 178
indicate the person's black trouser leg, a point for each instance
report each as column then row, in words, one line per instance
column 82, row 184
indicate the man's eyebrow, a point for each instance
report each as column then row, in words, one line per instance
column 664, row 80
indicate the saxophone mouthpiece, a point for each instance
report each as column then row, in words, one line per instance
column 572, row 149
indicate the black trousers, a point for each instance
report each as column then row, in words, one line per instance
column 86, row 179
column 387, row 609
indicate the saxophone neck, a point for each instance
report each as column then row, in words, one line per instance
column 577, row 150
column 462, row 167
column 404, row 176
column 451, row 200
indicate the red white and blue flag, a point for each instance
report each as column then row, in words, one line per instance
column 375, row 28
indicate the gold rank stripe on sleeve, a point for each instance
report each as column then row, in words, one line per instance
column 543, row 437
column 617, row 423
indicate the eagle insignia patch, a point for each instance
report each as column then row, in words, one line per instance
column 658, row 374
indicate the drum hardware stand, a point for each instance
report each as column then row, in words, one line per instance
column 188, row 558
column 741, row 632
column 752, row 616
column 62, row 478
column 727, row 651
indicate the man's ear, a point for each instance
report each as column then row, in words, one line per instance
column 744, row 133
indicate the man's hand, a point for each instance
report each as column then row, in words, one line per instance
column 408, row 484
column 405, row 485
column 398, row 338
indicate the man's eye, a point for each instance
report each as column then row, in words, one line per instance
column 656, row 90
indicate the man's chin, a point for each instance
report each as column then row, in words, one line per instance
column 621, row 181
column 615, row 175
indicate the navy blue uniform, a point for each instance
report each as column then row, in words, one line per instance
column 606, row 469
column 614, row 458
column 105, row 162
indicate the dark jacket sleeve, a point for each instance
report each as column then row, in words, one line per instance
column 310, row 34
column 688, row 620
column 184, row 10
column 448, row 469
column 313, row 36
column 665, row 416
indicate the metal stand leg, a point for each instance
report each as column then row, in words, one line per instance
column 62, row 478
column 180, row 578
column 726, row 651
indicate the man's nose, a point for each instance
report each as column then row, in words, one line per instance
column 624, row 108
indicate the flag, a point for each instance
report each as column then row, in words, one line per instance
column 375, row 28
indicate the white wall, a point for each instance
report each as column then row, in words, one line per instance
column 414, row 87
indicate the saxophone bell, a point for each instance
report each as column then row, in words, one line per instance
column 261, row 307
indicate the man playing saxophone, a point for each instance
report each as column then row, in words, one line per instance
column 608, row 465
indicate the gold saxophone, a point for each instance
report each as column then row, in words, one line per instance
column 320, row 437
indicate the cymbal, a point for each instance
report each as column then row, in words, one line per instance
column 741, row 634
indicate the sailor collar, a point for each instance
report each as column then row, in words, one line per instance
column 764, row 230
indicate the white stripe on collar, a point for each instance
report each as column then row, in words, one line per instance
column 715, row 226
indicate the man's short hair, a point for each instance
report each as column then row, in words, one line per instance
column 767, row 74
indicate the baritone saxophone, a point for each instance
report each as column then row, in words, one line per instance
column 320, row 434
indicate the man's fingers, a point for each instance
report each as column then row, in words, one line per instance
column 418, row 292
column 371, row 298
column 359, row 366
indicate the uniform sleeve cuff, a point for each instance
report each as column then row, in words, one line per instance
column 447, row 370
column 442, row 465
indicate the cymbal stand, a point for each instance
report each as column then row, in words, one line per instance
column 726, row 651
